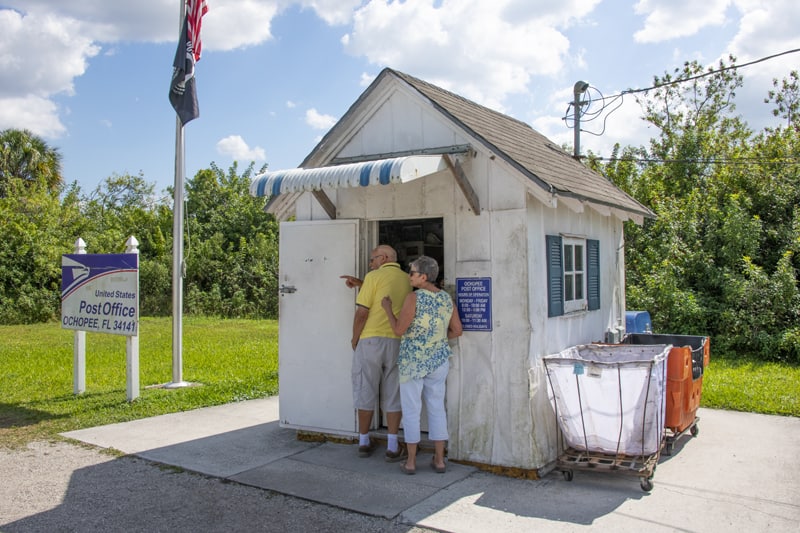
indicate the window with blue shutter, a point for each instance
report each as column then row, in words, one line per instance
column 573, row 274
column 555, row 277
column 593, row 274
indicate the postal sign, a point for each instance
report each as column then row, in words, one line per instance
column 100, row 292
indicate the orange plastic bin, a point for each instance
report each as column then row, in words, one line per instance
column 685, row 364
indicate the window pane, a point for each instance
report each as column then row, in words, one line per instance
column 569, row 293
column 579, row 286
column 579, row 257
column 568, row 259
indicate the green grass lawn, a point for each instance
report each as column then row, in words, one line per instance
column 234, row 360
column 753, row 386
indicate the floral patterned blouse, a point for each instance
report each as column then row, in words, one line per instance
column 424, row 346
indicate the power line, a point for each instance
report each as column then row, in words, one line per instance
column 698, row 76
column 612, row 99
column 714, row 161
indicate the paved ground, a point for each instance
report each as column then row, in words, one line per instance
column 232, row 468
column 60, row 487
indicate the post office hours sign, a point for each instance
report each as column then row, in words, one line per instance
column 474, row 302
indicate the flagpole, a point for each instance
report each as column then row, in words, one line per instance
column 177, row 248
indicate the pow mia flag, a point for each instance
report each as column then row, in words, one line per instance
column 182, row 90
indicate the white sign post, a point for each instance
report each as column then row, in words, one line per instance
column 132, row 341
column 100, row 292
column 79, row 344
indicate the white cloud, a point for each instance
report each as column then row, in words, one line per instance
column 318, row 121
column 232, row 24
column 45, row 45
column 490, row 51
column 27, row 66
column 765, row 29
column 334, row 12
column 483, row 50
column 366, row 79
column 290, row 104
column 669, row 19
column 36, row 114
column 30, row 75
column 227, row 25
column 237, row 149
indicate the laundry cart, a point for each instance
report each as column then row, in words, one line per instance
column 609, row 402
column 686, row 362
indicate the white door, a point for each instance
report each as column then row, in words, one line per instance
column 316, row 324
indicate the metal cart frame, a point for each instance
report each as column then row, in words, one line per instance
column 570, row 459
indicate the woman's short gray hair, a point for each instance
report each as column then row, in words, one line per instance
column 428, row 266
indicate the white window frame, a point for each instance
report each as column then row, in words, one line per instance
column 574, row 274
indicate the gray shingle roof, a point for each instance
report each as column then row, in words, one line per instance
column 533, row 154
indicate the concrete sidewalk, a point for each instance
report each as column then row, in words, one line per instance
column 739, row 474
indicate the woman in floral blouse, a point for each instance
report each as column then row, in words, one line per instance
column 426, row 321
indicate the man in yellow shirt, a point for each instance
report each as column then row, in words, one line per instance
column 375, row 348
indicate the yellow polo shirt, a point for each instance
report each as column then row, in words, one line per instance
column 388, row 280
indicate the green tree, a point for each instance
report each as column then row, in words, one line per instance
column 33, row 236
column 786, row 97
column 231, row 250
column 27, row 157
column 123, row 206
column 34, row 232
column 721, row 256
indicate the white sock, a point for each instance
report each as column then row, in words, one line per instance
column 392, row 445
column 363, row 439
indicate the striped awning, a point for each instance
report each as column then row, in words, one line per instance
column 364, row 174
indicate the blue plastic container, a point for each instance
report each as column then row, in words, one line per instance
column 638, row 322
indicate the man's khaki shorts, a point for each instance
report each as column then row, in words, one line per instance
column 374, row 370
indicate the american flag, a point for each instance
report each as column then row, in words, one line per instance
column 182, row 90
column 194, row 15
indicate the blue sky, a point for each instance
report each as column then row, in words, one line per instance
column 91, row 76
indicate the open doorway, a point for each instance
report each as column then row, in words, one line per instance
column 413, row 238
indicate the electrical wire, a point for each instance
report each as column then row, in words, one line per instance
column 711, row 72
column 619, row 97
column 715, row 161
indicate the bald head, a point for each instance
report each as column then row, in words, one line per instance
column 381, row 255
column 386, row 250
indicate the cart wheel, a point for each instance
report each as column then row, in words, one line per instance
column 695, row 430
column 668, row 447
column 567, row 475
column 647, row 484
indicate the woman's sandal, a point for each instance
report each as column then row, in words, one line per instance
column 409, row 471
column 438, row 469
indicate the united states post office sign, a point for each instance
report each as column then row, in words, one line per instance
column 100, row 292
column 474, row 302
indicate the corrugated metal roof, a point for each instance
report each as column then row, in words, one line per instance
column 365, row 174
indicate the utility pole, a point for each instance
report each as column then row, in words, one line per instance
column 577, row 91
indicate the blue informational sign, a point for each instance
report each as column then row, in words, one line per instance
column 100, row 292
column 474, row 302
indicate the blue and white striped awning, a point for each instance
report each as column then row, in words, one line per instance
column 365, row 174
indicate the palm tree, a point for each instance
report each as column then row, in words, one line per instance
column 26, row 157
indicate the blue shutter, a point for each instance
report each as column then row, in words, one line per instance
column 555, row 276
column 593, row 274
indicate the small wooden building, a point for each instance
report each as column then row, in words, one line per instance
column 530, row 242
